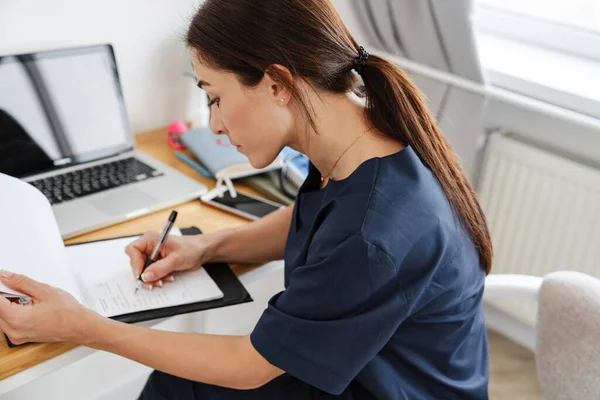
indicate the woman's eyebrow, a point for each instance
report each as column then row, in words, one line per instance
column 202, row 83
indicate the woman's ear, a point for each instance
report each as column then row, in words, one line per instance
column 279, row 81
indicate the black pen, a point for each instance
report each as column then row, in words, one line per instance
column 163, row 238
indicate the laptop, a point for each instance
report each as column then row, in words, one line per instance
column 65, row 130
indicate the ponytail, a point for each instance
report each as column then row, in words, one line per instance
column 410, row 122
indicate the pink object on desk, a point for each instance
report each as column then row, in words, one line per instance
column 173, row 132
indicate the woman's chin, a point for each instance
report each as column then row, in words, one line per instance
column 257, row 162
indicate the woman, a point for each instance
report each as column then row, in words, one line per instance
column 385, row 251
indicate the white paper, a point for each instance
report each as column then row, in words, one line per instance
column 30, row 241
column 97, row 274
column 108, row 284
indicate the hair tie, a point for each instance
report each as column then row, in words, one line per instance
column 361, row 60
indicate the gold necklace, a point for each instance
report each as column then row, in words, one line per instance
column 326, row 176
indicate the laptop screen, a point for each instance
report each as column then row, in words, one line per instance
column 60, row 108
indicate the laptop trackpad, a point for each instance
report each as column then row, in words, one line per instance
column 125, row 201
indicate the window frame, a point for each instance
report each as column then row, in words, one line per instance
column 563, row 38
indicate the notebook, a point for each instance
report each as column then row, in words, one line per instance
column 98, row 274
column 269, row 185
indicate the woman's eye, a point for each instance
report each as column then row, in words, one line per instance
column 216, row 101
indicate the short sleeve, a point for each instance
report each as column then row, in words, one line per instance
column 339, row 310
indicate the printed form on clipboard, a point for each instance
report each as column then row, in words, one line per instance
column 97, row 274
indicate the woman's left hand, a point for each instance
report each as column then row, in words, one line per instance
column 52, row 315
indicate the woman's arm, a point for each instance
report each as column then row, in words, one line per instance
column 228, row 361
column 54, row 315
column 259, row 242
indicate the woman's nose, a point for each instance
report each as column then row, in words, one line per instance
column 216, row 125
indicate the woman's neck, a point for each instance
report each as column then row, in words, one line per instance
column 344, row 139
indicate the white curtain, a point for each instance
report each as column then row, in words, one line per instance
column 438, row 34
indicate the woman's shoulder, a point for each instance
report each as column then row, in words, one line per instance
column 395, row 204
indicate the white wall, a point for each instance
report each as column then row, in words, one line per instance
column 147, row 36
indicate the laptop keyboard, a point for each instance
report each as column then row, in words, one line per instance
column 83, row 182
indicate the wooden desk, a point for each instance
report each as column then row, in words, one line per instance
column 208, row 219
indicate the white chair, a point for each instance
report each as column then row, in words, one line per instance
column 567, row 330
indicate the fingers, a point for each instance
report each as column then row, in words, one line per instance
column 53, row 315
column 160, row 283
column 139, row 250
column 6, row 310
column 11, row 321
column 22, row 284
column 161, row 268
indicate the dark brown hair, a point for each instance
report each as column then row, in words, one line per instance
column 248, row 37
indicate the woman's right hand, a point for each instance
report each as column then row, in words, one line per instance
column 178, row 253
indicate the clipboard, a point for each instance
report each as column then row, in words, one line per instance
column 233, row 290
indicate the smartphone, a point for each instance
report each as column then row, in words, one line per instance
column 245, row 205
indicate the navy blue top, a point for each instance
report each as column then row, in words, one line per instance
column 383, row 293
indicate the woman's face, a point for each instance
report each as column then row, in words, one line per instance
column 255, row 120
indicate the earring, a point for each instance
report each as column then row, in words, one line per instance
column 282, row 100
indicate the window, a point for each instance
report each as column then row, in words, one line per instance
column 545, row 49
column 569, row 26
column 583, row 14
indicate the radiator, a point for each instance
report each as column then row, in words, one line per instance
column 543, row 212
